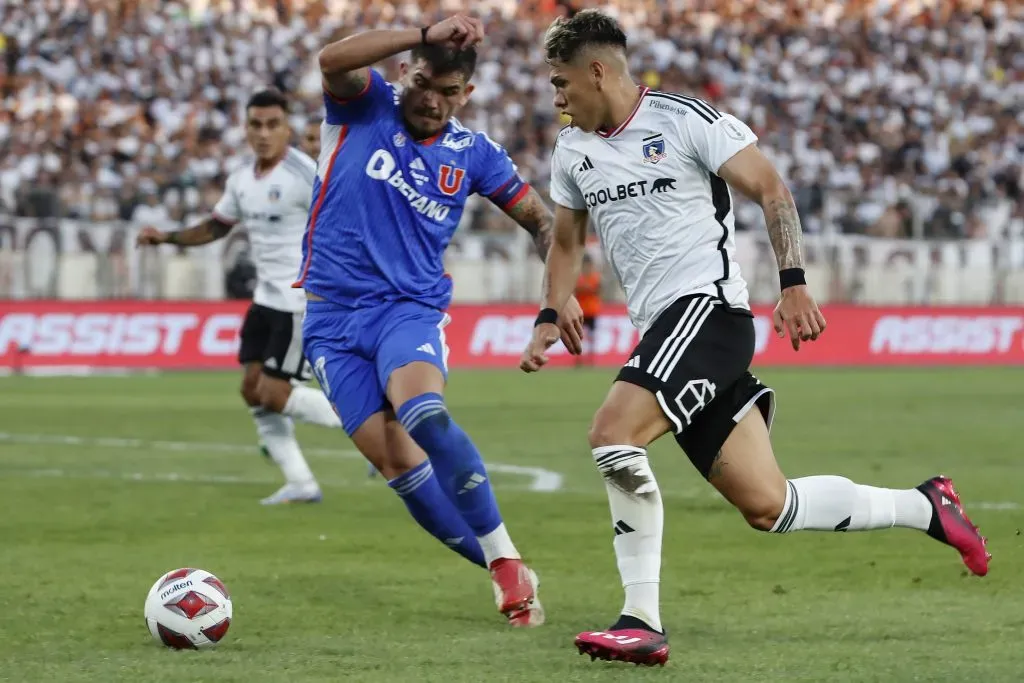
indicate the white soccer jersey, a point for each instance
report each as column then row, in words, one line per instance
column 273, row 208
column 663, row 216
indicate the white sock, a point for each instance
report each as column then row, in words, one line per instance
column 497, row 544
column 277, row 433
column 830, row 503
column 311, row 405
column 638, row 519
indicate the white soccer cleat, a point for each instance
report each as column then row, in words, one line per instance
column 294, row 493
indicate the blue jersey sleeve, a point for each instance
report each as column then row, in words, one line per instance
column 375, row 97
column 495, row 176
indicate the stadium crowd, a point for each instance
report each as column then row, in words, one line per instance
column 887, row 117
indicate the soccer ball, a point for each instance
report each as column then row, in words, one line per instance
column 188, row 609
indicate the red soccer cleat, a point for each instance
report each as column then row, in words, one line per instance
column 515, row 592
column 951, row 525
column 636, row 646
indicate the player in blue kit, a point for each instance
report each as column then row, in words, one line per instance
column 394, row 174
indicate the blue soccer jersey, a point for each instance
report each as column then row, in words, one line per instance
column 386, row 206
column 384, row 209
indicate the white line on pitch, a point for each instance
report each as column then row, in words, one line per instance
column 57, row 473
column 541, row 479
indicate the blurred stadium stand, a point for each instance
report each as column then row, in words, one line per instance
column 898, row 124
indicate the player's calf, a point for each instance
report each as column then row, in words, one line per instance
column 745, row 472
column 249, row 388
column 628, row 420
column 460, row 470
column 426, row 502
column 297, row 401
column 410, row 475
column 763, row 509
column 273, row 393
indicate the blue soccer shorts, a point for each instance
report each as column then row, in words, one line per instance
column 353, row 351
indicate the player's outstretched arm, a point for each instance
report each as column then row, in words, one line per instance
column 562, row 269
column 345, row 64
column 750, row 172
column 533, row 215
column 210, row 230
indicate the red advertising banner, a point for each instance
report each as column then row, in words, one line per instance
column 203, row 334
column 120, row 334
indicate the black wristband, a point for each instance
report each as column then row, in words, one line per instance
column 172, row 238
column 547, row 315
column 423, row 34
column 791, row 277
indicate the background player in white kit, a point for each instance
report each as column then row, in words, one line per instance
column 270, row 196
column 653, row 171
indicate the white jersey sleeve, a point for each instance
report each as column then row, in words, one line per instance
column 303, row 167
column 228, row 209
column 564, row 190
column 713, row 142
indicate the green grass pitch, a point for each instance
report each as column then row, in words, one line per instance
column 106, row 483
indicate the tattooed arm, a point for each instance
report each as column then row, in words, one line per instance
column 533, row 216
column 753, row 175
column 784, row 231
column 344, row 65
column 210, row 230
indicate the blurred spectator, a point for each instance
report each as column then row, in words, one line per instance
column 887, row 117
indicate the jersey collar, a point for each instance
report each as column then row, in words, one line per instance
column 622, row 126
column 427, row 142
column 260, row 175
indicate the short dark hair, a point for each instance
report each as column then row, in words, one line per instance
column 566, row 38
column 268, row 98
column 444, row 60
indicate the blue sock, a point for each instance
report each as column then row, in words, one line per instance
column 430, row 507
column 458, row 464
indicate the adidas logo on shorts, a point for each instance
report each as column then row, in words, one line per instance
column 634, row 362
column 427, row 348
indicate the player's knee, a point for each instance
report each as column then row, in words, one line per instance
column 273, row 396
column 424, row 415
column 250, row 394
column 763, row 510
column 438, row 422
column 390, row 469
column 393, row 462
column 606, row 430
column 273, row 401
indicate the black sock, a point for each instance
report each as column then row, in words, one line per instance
column 935, row 525
column 627, row 622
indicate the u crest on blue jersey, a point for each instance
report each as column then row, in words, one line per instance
column 449, row 179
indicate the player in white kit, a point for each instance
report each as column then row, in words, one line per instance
column 653, row 171
column 270, row 196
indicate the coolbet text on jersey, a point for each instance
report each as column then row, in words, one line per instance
column 384, row 209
